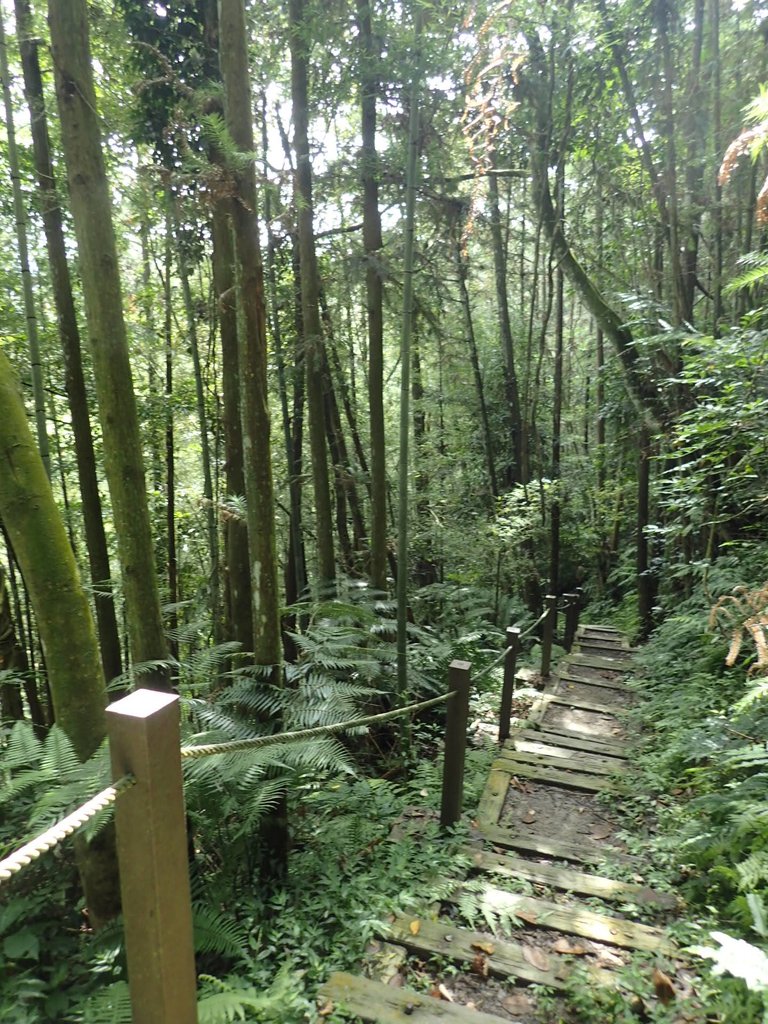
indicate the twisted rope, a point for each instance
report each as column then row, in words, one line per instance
column 11, row 866
column 533, row 626
column 228, row 747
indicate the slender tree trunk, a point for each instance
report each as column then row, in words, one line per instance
column 20, row 217
column 205, row 442
column 374, row 290
column 172, row 567
column 411, row 177
column 717, row 130
column 310, row 289
column 13, row 660
column 469, row 333
column 517, row 472
column 646, row 588
column 557, row 416
column 92, row 215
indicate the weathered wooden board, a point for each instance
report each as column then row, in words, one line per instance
column 575, row 702
column 585, row 851
column 581, row 677
column 555, row 776
column 617, row 751
column 574, row 920
column 569, row 879
column 561, row 757
column 492, row 799
column 508, row 959
column 611, row 664
column 386, row 1004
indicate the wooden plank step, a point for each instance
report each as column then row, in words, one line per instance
column 600, row 628
column 574, row 920
column 508, row 960
column 586, row 745
column 492, row 799
column 569, row 879
column 578, row 704
column 585, row 739
column 555, row 776
column 605, row 643
column 606, row 684
column 537, row 752
column 593, row 661
column 386, row 1004
column 586, row 851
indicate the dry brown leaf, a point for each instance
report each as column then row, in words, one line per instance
column 568, row 947
column 528, row 916
column 529, row 817
column 414, row 927
column 663, row 987
column 480, row 966
column 609, row 959
column 326, row 1010
column 536, row 957
column 518, row 1003
column 484, row 947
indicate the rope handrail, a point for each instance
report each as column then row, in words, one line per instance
column 533, row 625
column 54, row 835
column 229, row 746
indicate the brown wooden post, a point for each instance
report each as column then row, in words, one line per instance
column 547, row 634
column 144, row 740
column 508, row 687
column 571, row 619
column 455, row 743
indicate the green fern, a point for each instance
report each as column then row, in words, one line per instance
column 110, row 1005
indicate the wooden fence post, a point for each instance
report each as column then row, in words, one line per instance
column 144, row 740
column 572, row 609
column 547, row 634
column 455, row 743
column 508, row 688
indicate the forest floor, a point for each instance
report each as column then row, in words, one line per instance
column 549, row 918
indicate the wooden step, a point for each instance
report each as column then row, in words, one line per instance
column 507, row 959
column 593, row 661
column 606, row 684
column 561, row 738
column 555, row 776
column 569, row 879
column 573, row 920
column 386, row 1004
column 563, row 700
column 492, row 799
column 585, row 851
column 560, row 757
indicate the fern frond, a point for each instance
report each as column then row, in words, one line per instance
column 23, row 748
column 110, row 1005
column 217, row 932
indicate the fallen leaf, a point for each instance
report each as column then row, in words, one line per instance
column 517, row 1004
column 536, row 957
column 434, row 992
column 663, row 987
column 568, row 947
column 327, row 1010
column 414, row 927
column 480, row 966
column 484, row 947
column 528, row 916
column 529, row 817
column 609, row 959
column 602, row 832
column 445, row 994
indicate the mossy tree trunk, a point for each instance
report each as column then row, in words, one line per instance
column 65, row 624
column 92, row 216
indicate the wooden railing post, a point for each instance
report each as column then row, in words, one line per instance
column 144, row 740
column 455, row 743
column 547, row 634
column 508, row 687
column 571, row 619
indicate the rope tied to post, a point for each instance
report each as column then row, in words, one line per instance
column 64, row 828
column 231, row 746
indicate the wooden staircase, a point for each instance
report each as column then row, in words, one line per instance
column 545, row 820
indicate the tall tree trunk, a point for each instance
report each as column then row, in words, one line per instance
column 172, row 565
column 646, row 587
column 67, row 632
column 310, row 289
column 557, row 417
column 205, row 443
column 517, row 471
column 20, row 217
column 469, row 333
column 257, row 461
column 92, row 215
column 374, row 291
column 411, row 178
